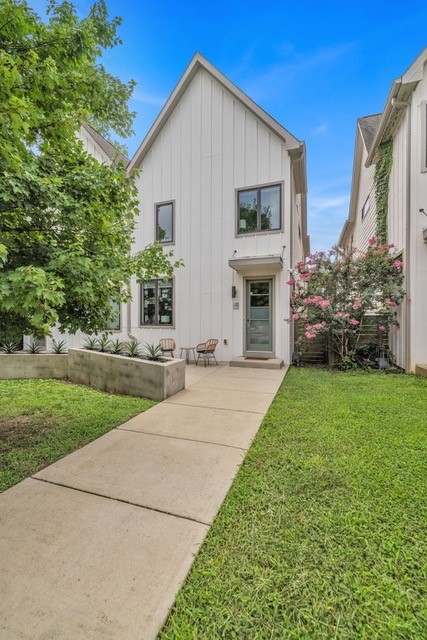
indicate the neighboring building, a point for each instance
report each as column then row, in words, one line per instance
column 223, row 185
column 361, row 222
column 404, row 123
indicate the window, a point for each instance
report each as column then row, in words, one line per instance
column 259, row 209
column 157, row 303
column 114, row 324
column 165, row 222
column 366, row 207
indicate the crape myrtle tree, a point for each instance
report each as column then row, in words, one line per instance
column 335, row 292
column 66, row 220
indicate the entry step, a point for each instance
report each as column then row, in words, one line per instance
column 257, row 363
column 420, row 369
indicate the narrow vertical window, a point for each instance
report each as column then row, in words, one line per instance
column 366, row 207
column 165, row 222
column 114, row 324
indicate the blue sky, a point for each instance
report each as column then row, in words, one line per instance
column 314, row 66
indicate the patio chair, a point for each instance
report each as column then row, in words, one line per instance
column 206, row 350
column 167, row 345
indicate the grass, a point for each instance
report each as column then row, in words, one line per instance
column 43, row 420
column 323, row 534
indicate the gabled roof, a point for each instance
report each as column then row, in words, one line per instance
column 114, row 154
column 400, row 92
column 199, row 62
column 368, row 128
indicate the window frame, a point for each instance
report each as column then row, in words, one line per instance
column 365, row 210
column 142, row 324
column 157, row 205
column 258, row 188
column 424, row 136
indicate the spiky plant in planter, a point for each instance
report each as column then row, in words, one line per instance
column 133, row 349
column 117, row 347
column 9, row 347
column 90, row 343
column 59, row 347
column 153, row 352
column 35, row 346
column 103, row 343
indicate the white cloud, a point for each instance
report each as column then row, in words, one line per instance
column 296, row 64
column 148, row 98
column 318, row 131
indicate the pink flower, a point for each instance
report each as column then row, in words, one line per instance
column 354, row 322
column 295, row 316
column 305, row 276
column 398, row 264
column 291, row 282
column 324, row 304
column 390, row 246
column 373, row 240
column 357, row 305
column 381, row 328
column 390, row 303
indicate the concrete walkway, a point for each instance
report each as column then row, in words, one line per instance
column 97, row 545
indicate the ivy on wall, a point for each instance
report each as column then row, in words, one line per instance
column 381, row 180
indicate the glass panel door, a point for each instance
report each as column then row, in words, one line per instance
column 259, row 314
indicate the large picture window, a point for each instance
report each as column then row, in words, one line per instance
column 259, row 209
column 165, row 222
column 157, row 303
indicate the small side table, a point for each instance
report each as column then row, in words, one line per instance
column 188, row 353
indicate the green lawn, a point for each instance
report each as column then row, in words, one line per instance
column 43, row 420
column 324, row 532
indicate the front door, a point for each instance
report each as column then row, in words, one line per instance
column 259, row 317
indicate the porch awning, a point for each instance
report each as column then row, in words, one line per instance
column 273, row 262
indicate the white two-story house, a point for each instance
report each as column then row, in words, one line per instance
column 404, row 124
column 223, row 185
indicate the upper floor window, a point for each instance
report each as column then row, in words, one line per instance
column 366, row 207
column 157, row 303
column 259, row 209
column 165, row 222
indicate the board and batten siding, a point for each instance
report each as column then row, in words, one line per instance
column 210, row 146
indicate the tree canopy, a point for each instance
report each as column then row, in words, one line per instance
column 66, row 220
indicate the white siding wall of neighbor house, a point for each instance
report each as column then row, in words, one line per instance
column 210, row 146
column 416, row 254
column 364, row 228
column 91, row 146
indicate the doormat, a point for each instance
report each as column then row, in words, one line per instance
column 247, row 358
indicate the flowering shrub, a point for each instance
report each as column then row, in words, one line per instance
column 334, row 292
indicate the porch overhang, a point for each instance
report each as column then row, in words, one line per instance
column 243, row 265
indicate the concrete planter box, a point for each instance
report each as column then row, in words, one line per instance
column 127, row 376
column 32, row 365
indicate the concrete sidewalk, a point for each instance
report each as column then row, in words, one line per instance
column 97, row 545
